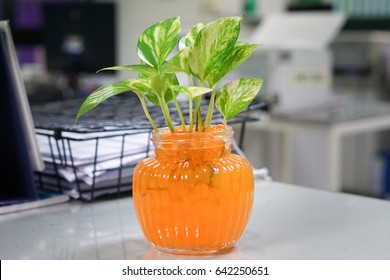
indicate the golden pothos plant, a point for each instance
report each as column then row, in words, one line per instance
column 205, row 54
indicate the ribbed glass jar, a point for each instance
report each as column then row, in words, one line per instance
column 194, row 196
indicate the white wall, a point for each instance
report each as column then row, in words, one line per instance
column 265, row 7
column 134, row 16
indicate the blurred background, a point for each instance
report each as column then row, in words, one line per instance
column 326, row 66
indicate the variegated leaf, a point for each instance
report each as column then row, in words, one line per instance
column 141, row 87
column 178, row 63
column 168, row 93
column 138, row 68
column 191, row 92
column 240, row 43
column 213, row 44
column 238, row 55
column 146, row 74
column 100, row 95
column 158, row 41
column 236, row 95
column 160, row 88
column 190, row 38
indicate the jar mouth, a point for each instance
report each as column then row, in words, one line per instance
column 217, row 132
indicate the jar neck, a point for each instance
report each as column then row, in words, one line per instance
column 193, row 146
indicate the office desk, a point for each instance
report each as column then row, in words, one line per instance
column 288, row 222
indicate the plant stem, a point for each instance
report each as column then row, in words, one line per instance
column 190, row 107
column 146, row 111
column 165, row 111
column 198, row 115
column 209, row 115
column 183, row 122
column 200, row 124
column 191, row 80
column 167, row 117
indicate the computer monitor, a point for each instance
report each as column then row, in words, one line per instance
column 79, row 37
column 19, row 150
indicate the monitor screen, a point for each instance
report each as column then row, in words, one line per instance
column 79, row 37
column 19, row 148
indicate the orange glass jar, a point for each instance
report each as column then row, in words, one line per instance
column 194, row 196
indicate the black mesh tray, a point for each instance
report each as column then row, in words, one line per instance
column 96, row 157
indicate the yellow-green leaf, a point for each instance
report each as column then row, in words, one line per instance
column 214, row 42
column 236, row 95
column 158, row 41
column 138, row 68
column 100, row 95
column 238, row 55
column 191, row 92
column 190, row 38
column 178, row 63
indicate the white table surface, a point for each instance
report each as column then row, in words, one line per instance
column 287, row 222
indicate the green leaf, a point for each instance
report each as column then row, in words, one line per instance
column 213, row 44
column 168, row 93
column 238, row 55
column 146, row 74
column 139, row 68
column 141, row 87
column 144, row 88
column 153, row 99
column 190, row 38
column 240, row 43
column 178, row 63
column 236, row 95
column 158, row 41
column 159, row 88
column 191, row 92
column 100, row 95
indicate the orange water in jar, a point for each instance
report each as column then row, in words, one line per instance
column 194, row 196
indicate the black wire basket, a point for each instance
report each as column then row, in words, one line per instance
column 96, row 157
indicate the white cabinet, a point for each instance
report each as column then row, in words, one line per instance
column 336, row 153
